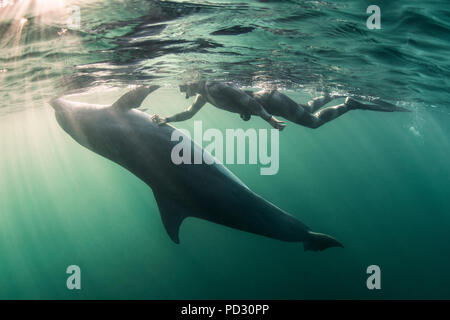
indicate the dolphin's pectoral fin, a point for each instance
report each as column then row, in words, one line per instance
column 134, row 98
column 319, row 241
column 172, row 215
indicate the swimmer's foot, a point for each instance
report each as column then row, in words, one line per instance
column 353, row 104
column 379, row 105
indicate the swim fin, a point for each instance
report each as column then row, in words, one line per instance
column 390, row 106
column 379, row 105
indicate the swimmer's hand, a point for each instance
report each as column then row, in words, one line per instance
column 159, row 120
column 277, row 124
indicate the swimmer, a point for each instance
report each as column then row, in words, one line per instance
column 267, row 104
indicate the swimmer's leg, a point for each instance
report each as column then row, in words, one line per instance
column 327, row 114
column 315, row 120
column 317, row 103
column 330, row 113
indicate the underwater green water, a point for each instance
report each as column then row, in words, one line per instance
column 364, row 178
column 378, row 182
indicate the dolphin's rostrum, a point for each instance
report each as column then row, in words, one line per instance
column 130, row 138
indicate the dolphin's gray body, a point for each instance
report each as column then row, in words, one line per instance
column 211, row 192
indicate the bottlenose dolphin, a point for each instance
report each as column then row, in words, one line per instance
column 130, row 138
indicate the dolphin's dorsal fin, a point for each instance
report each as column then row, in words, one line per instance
column 172, row 214
column 133, row 98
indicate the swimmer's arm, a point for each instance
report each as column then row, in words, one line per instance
column 241, row 98
column 258, row 109
column 254, row 107
column 199, row 102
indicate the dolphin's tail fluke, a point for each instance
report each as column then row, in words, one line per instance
column 319, row 242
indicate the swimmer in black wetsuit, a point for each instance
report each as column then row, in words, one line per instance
column 267, row 104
